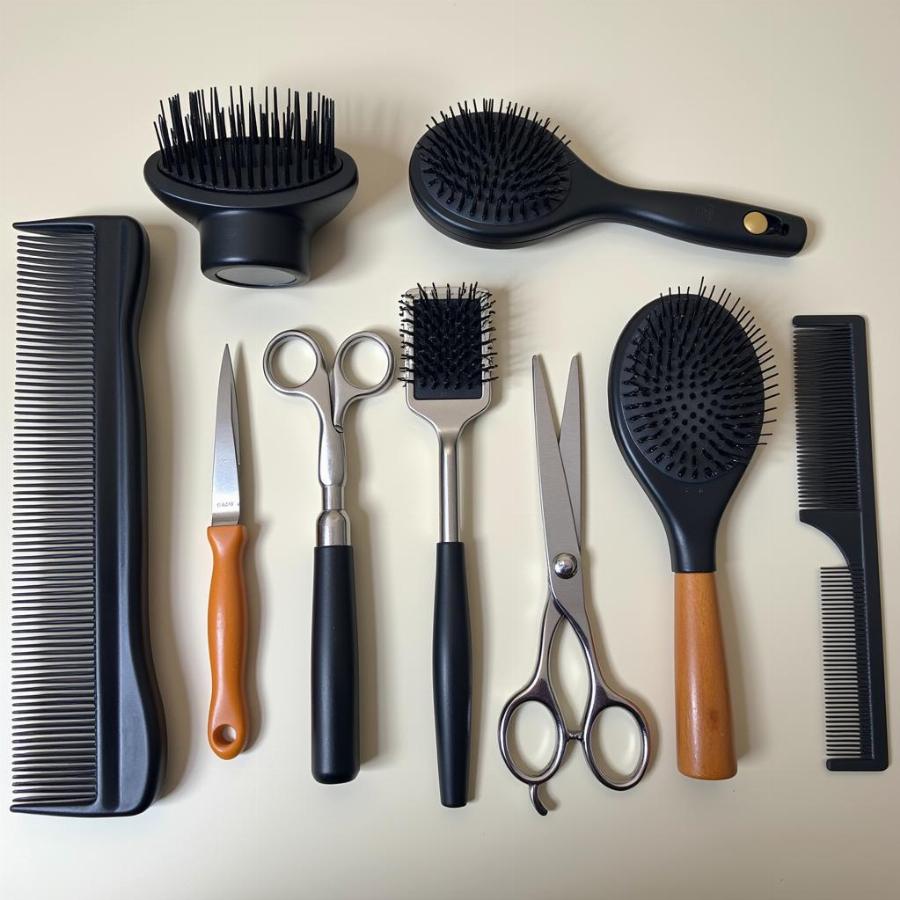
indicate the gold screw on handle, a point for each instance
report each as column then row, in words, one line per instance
column 755, row 222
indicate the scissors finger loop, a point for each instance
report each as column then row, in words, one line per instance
column 602, row 771
column 313, row 386
column 538, row 692
column 346, row 391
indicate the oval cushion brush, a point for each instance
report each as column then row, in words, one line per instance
column 500, row 177
column 254, row 182
column 689, row 384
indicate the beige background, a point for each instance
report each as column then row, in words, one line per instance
column 790, row 104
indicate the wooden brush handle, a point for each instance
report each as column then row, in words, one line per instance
column 702, row 707
column 227, row 624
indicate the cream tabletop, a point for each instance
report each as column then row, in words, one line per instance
column 792, row 105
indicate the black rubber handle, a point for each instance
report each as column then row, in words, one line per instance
column 335, row 670
column 727, row 224
column 452, row 673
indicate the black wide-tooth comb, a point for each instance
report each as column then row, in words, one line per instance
column 88, row 731
column 837, row 496
column 257, row 180
column 500, row 176
column 690, row 384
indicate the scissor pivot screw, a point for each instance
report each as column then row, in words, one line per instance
column 565, row 565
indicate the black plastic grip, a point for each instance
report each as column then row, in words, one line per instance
column 452, row 673
column 335, row 670
column 726, row 224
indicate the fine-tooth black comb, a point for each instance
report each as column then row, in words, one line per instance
column 837, row 496
column 500, row 176
column 448, row 365
column 88, row 733
column 257, row 180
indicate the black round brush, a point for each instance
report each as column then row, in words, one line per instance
column 689, row 386
column 500, row 177
column 257, row 181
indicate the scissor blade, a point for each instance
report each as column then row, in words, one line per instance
column 560, row 535
column 570, row 440
column 226, row 494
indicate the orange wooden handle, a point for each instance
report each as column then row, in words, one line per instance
column 227, row 624
column 702, row 707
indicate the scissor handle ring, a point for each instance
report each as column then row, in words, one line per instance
column 345, row 389
column 272, row 348
column 539, row 691
column 596, row 766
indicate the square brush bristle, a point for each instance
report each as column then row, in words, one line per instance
column 446, row 334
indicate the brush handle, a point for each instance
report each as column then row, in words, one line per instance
column 726, row 224
column 335, row 670
column 702, row 706
column 227, row 626
column 452, row 673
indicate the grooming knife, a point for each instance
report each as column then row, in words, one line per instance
column 227, row 621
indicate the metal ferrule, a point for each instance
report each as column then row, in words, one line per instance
column 333, row 524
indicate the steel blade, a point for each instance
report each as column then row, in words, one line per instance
column 226, row 499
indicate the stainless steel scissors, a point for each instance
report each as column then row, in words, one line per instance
column 335, row 704
column 559, row 474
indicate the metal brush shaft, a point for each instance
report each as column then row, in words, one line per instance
column 449, row 487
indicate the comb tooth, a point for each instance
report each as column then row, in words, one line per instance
column 848, row 733
column 53, row 561
column 827, row 453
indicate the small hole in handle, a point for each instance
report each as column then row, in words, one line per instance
column 225, row 735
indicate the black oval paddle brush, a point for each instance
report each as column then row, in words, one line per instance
column 257, row 181
column 500, row 177
column 689, row 386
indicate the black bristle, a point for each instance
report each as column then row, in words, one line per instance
column 446, row 334
column 498, row 167
column 697, row 384
column 244, row 149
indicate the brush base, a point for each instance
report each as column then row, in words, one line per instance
column 254, row 248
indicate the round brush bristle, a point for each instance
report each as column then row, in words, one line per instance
column 248, row 146
column 499, row 166
column 696, row 382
